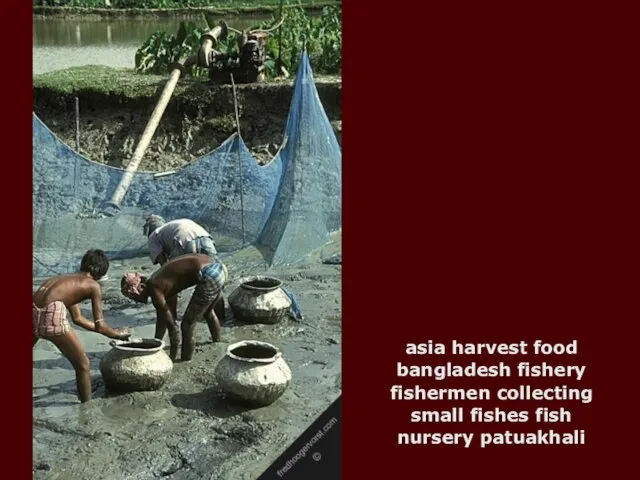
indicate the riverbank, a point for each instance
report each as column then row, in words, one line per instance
column 246, row 10
column 115, row 105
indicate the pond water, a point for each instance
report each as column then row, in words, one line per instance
column 64, row 43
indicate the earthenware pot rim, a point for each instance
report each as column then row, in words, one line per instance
column 256, row 343
column 122, row 345
column 245, row 280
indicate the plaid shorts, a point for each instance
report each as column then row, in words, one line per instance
column 50, row 321
column 203, row 245
column 212, row 279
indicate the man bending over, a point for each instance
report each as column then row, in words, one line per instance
column 169, row 240
column 50, row 304
column 209, row 277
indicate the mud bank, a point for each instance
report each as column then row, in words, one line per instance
column 187, row 430
column 97, row 13
column 115, row 105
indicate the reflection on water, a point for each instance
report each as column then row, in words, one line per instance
column 64, row 43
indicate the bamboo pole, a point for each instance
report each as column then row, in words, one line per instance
column 177, row 71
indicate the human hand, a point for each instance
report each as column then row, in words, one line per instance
column 120, row 333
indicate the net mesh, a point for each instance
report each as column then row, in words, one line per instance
column 285, row 208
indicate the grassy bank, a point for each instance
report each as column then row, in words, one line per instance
column 122, row 82
column 84, row 8
column 126, row 83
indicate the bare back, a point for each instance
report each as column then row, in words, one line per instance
column 177, row 275
column 71, row 290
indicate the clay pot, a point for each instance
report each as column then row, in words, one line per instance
column 136, row 365
column 253, row 373
column 259, row 299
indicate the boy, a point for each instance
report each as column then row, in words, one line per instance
column 50, row 304
column 207, row 274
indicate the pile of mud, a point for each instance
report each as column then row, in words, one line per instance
column 111, row 124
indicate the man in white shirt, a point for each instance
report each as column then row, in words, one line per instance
column 168, row 240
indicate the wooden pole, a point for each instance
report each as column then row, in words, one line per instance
column 279, row 61
column 77, row 125
column 235, row 106
column 120, row 191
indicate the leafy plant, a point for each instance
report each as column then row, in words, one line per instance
column 321, row 35
column 162, row 49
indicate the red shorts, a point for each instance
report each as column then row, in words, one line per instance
column 50, row 321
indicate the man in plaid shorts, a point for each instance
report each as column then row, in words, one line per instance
column 206, row 274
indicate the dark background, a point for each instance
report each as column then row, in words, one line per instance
column 489, row 195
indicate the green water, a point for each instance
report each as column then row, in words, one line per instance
column 64, row 43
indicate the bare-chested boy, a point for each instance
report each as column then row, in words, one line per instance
column 207, row 274
column 50, row 304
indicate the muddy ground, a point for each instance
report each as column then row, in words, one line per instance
column 111, row 124
column 187, row 430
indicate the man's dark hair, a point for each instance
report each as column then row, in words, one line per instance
column 96, row 263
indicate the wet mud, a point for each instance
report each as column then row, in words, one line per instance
column 187, row 429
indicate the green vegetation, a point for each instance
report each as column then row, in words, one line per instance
column 322, row 36
column 168, row 3
column 114, row 86
column 117, row 81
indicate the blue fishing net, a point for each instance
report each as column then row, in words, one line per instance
column 285, row 208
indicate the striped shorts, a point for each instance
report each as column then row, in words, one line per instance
column 50, row 321
column 212, row 279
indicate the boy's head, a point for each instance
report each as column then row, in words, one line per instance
column 132, row 286
column 95, row 263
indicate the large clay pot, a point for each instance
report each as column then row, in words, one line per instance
column 259, row 299
column 253, row 373
column 136, row 365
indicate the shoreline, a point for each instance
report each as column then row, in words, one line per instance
column 115, row 105
column 100, row 13
column 127, row 83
